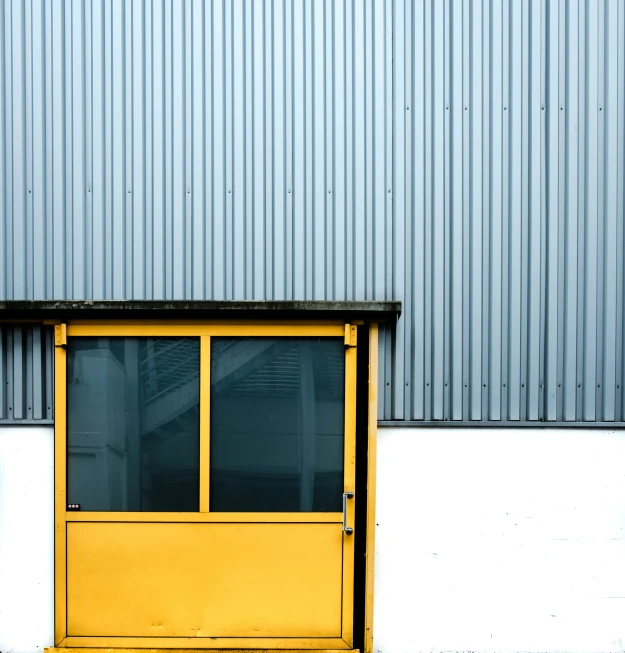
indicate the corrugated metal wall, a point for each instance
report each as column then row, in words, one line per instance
column 466, row 157
column 26, row 374
column 508, row 210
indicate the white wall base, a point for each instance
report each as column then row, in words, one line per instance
column 26, row 538
column 500, row 540
column 488, row 540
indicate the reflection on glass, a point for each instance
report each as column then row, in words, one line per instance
column 133, row 423
column 277, row 424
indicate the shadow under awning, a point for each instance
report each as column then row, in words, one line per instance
column 368, row 311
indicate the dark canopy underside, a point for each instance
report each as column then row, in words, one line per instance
column 255, row 310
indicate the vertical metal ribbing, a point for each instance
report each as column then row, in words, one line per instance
column 464, row 16
column 484, row 145
column 401, row 200
column 592, row 217
column 37, row 359
column 438, row 210
column 611, row 250
column 553, row 144
column 28, row 378
column 599, row 278
column 513, row 116
column 454, row 108
column 418, row 318
column 569, row 374
column 620, row 348
column 526, row 105
column 445, row 118
column 402, row 118
column 48, row 394
column 26, row 383
column 18, row 377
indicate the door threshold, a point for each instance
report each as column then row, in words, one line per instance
column 92, row 649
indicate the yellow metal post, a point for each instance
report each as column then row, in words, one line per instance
column 371, row 478
column 60, row 335
column 205, row 390
column 60, row 502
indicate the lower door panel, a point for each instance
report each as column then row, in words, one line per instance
column 239, row 580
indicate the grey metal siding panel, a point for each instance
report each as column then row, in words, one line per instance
column 467, row 158
column 533, row 297
column 182, row 149
column 26, row 374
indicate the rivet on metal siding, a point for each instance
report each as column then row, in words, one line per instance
column 522, row 385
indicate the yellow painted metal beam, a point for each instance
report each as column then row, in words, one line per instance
column 60, row 525
column 205, row 398
column 75, row 649
column 192, row 645
column 195, row 322
column 187, row 330
column 371, row 479
column 210, row 517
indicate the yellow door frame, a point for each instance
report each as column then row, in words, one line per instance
column 204, row 331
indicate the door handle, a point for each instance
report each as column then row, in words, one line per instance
column 346, row 495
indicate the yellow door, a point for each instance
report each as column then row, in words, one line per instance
column 205, row 485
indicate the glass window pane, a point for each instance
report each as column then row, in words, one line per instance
column 133, row 407
column 277, row 424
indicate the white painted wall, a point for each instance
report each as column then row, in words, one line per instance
column 488, row 540
column 26, row 538
column 500, row 540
